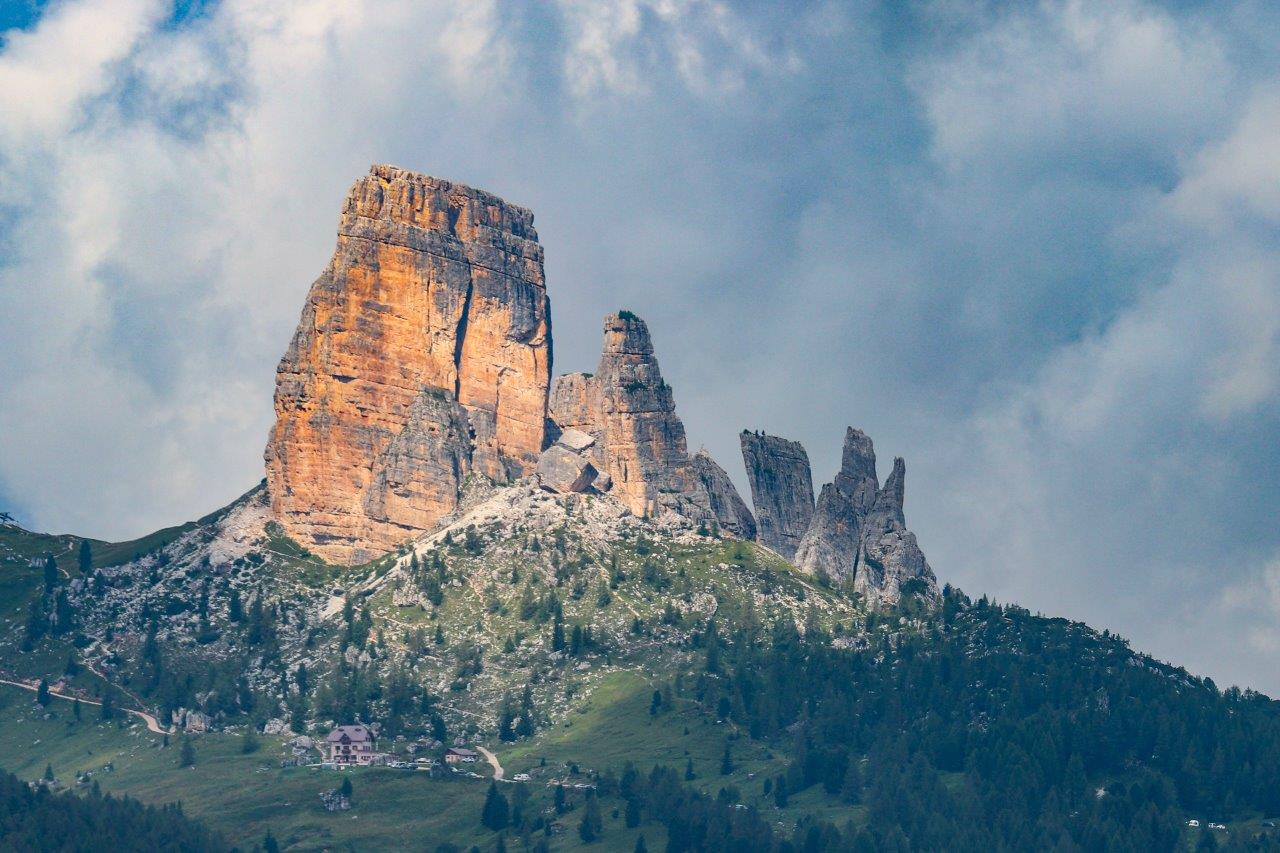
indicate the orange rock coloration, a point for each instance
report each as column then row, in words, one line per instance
column 629, row 409
column 423, row 354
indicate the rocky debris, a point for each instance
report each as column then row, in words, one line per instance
column 831, row 544
column 731, row 511
column 891, row 558
column 630, row 412
column 561, row 470
column 432, row 315
column 781, row 490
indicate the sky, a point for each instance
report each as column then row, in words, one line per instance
column 1032, row 247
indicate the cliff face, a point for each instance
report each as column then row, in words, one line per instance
column 423, row 353
column 781, row 489
column 630, row 412
column 731, row 512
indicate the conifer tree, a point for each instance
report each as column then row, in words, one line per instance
column 187, row 755
column 50, row 573
column 496, row 812
column 592, row 824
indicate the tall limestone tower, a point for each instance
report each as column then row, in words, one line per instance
column 423, row 354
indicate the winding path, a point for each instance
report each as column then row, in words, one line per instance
column 153, row 725
column 498, row 772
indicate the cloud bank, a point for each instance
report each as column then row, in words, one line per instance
column 1031, row 247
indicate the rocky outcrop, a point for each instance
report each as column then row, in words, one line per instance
column 891, row 560
column 831, row 542
column 423, row 354
column 630, row 411
column 731, row 512
column 781, row 490
column 859, row 530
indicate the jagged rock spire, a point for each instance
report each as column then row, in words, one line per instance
column 890, row 557
column 859, row 529
column 830, row 544
column 630, row 410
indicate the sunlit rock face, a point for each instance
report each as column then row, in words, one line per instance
column 423, row 354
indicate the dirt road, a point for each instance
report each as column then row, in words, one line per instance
column 153, row 725
column 498, row 772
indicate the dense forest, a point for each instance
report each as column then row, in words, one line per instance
column 33, row 818
column 985, row 728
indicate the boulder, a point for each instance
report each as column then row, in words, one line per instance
column 561, row 470
column 575, row 440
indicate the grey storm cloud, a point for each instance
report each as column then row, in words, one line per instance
column 1033, row 248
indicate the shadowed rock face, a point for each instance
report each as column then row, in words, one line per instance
column 891, row 558
column 831, row 542
column 423, row 354
column 781, row 490
column 628, row 408
column 730, row 510
column 859, row 530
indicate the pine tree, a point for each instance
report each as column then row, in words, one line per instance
column 689, row 775
column 250, row 744
column 235, row 610
column 726, row 761
column 346, row 788
column 592, row 824
column 496, row 813
column 557, row 632
column 269, row 844
column 42, row 693
column 75, row 709
column 631, row 816
column 187, row 755
column 86, row 558
column 48, row 773
column 525, row 727
column 640, row 845
column 50, row 573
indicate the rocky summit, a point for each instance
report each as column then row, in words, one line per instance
column 423, row 354
column 639, row 442
column 858, row 532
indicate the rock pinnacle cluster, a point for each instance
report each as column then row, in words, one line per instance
column 423, row 359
